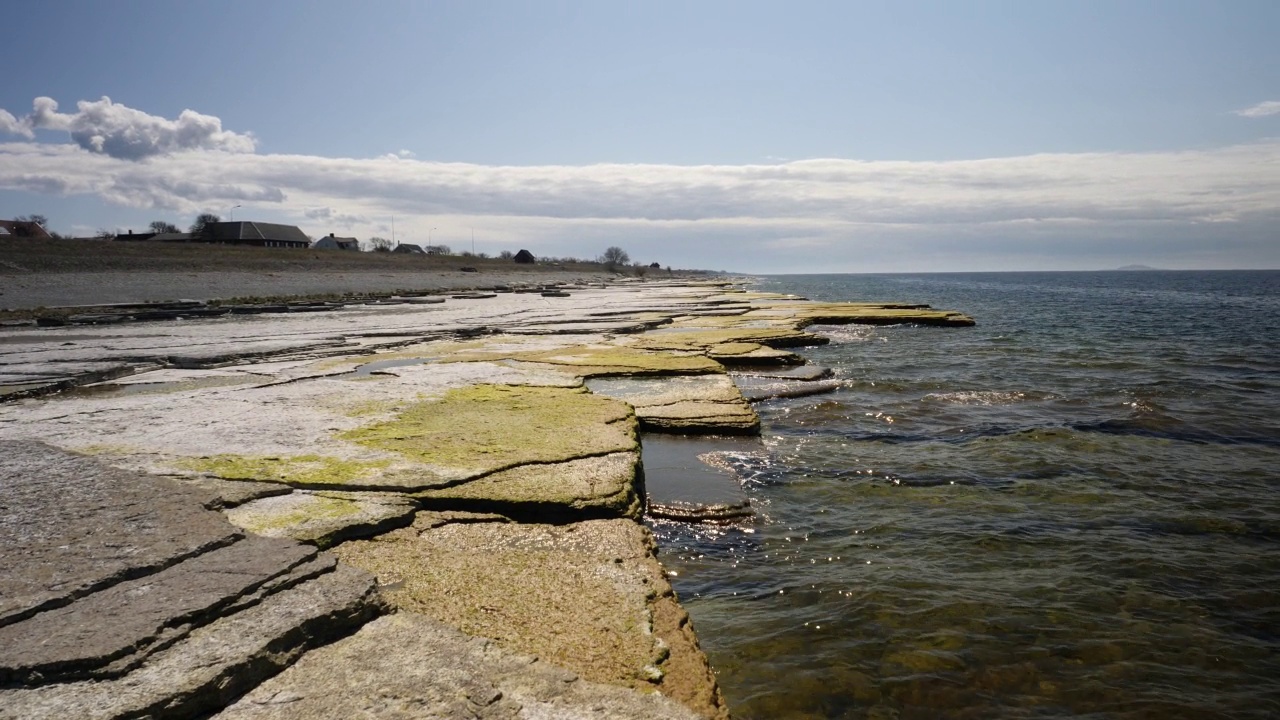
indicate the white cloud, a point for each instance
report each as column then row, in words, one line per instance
column 768, row 216
column 1262, row 109
column 122, row 132
column 11, row 125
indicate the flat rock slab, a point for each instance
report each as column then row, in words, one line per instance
column 323, row 518
column 697, row 404
column 114, row 629
column 606, row 486
column 216, row 663
column 587, row 596
column 689, row 479
column 407, row 665
column 70, row 525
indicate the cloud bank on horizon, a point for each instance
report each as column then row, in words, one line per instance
column 1208, row 207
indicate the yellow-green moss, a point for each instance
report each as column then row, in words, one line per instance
column 593, row 360
column 316, row 508
column 491, row 427
column 295, row 470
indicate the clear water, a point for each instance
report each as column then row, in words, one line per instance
column 1070, row 510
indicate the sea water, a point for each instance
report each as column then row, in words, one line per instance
column 1069, row 510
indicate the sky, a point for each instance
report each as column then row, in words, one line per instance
column 763, row 137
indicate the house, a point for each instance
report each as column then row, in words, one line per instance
column 525, row 257
column 255, row 233
column 138, row 236
column 409, row 248
column 23, row 229
column 336, row 243
column 174, row 237
column 437, row 249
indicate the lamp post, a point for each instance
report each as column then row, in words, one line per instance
column 429, row 232
column 233, row 212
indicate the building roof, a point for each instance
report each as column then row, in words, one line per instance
column 408, row 248
column 239, row 231
column 339, row 243
column 23, row 228
column 173, row 237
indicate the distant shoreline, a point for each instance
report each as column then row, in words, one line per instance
column 60, row 273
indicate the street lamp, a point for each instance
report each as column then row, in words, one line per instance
column 429, row 235
column 233, row 212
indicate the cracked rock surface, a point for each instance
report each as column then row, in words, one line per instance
column 407, row 665
column 125, row 597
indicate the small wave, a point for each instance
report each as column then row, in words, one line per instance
column 840, row 334
column 981, row 397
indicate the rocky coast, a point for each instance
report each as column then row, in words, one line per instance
column 403, row 507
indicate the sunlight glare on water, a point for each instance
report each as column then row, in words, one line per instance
column 1069, row 510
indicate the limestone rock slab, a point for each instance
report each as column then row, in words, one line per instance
column 407, row 665
column 581, row 489
column 215, row 663
column 587, row 596
column 687, row 405
column 70, row 525
column 323, row 518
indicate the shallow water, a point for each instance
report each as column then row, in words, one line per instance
column 1070, row 510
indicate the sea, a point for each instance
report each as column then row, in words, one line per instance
column 1071, row 510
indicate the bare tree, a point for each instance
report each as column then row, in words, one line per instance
column 160, row 226
column 203, row 220
column 506, row 255
column 614, row 256
column 380, row 244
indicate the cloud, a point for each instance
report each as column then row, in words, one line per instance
column 11, row 125
column 122, row 132
column 853, row 214
column 1262, row 109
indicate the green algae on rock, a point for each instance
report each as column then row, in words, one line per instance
column 581, row 489
column 322, row 519
column 589, row 597
column 296, row 470
column 481, row 429
column 697, row 404
column 602, row 360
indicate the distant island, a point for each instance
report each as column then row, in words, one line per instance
column 1137, row 267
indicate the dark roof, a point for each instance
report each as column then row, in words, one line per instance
column 407, row 248
column 173, row 237
column 23, row 228
column 256, row 232
column 338, row 243
column 524, row 256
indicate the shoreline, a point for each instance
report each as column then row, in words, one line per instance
column 444, row 463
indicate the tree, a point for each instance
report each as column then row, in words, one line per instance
column 40, row 220
column 506, row 255
column 160, row 227
column 199, row 227
column 615, row 256
column 380, row 244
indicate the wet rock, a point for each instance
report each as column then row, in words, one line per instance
column 589, row 597
column 409, row 665
column 755, row 389
column 803, row 372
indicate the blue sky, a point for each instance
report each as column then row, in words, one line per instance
column 796, row 137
